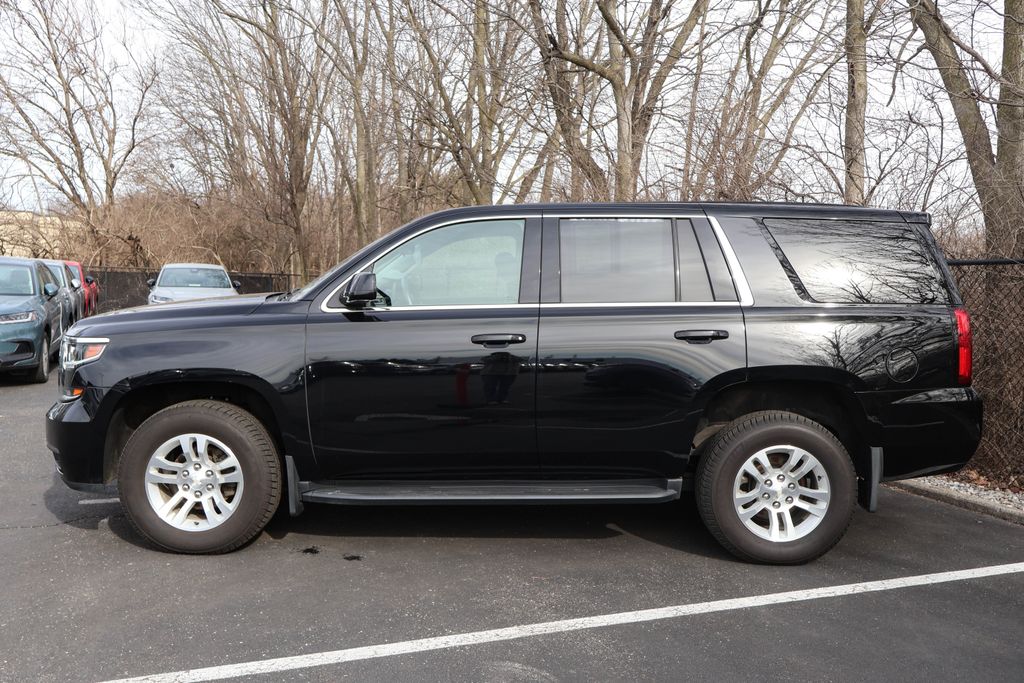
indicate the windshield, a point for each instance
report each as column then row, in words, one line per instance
column 16, row 280
column 214, row 278
column 58, row 273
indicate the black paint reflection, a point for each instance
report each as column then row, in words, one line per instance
column 615, row 390
column 499, row 372
column 455, row 408
column 837, row 261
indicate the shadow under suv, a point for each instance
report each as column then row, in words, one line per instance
column 781, row 360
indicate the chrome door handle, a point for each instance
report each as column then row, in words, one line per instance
column 497, row 340
column 701, row 336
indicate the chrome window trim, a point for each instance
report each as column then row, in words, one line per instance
column 449, row 307
column 642, row 304
column 668, row 215
column 481, row 307
column 735, row 270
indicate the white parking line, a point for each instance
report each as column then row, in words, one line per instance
column 513, row 632
column 98, row 501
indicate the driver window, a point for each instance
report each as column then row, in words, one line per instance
column 463, row 264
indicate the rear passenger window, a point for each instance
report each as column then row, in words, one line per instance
column 631, row 260
column 718, row 271
column 617, row 259
column 860, row 261
column 693, row 275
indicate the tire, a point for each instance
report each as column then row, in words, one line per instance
column 235, row 475
column 41, row 374
column 792, row 516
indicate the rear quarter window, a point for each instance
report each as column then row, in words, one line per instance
column 859, row 262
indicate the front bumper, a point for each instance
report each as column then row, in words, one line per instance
column 20, row 345
column 924, row 433
column 77, row 441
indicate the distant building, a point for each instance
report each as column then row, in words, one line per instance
column 24, row 233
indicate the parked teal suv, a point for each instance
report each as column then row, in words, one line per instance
column 31, row 319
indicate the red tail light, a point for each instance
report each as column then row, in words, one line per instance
column 964, row 346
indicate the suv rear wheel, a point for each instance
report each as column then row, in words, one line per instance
column 200, row 477
column 776, row 487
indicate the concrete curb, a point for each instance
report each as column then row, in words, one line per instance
column 962, row 500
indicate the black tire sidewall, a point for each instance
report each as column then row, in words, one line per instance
column 842, row 483
column 42, row 372
column 173, row 422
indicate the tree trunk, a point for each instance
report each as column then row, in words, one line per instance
column 856, row 103
column 625, row 179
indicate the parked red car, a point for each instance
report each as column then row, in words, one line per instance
column 89, row 284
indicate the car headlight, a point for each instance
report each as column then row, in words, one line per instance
column 75, row 351
column 154, row 299
column 22, row 317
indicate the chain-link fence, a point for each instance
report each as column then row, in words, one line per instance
column 993, row 291
column 124, row 287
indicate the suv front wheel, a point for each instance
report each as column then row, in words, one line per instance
column 776, row 487
column 200, row 477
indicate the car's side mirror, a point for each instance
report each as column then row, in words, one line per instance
column 50, row 290
column 361, row 290
column 89, row 279
column 76, row 283
column 150, row 282
column 236, row 284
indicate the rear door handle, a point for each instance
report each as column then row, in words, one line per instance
column 701, row 336
column 497, row 340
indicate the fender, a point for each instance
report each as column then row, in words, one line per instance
column 286, row 403
column 780, row 387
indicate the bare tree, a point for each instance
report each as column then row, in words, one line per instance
column 998, row 171
column 479, row 95
column 70, row 113
column 777, row 61
column 252, row 87
column 856, row 102
column 640, row 57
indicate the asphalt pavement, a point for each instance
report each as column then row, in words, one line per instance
column 82, row 598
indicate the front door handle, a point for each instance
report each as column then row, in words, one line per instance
column 701, row 336
column 497, row 340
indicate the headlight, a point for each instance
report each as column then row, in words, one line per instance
column 75, row 351
column 154, row 299
column 23, row 317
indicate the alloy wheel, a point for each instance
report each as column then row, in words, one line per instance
column 781, row 493
column 194, row 482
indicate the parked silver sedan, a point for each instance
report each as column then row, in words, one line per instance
column 184, row 281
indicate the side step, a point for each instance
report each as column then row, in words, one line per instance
column 529, row 492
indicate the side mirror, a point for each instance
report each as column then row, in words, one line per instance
column 361, row 290
column 50, row 290
column 89, row 280
column 236, row 284
column 150, row 282
column 76, row 283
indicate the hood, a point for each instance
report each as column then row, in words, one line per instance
column 12, row 303
column 166, row 316
column 187, row 293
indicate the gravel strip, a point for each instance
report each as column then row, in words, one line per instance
column 997, row 502
column 998, row 496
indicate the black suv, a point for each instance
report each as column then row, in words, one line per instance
column 781, row 360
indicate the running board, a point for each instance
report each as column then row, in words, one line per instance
column 491, row 492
